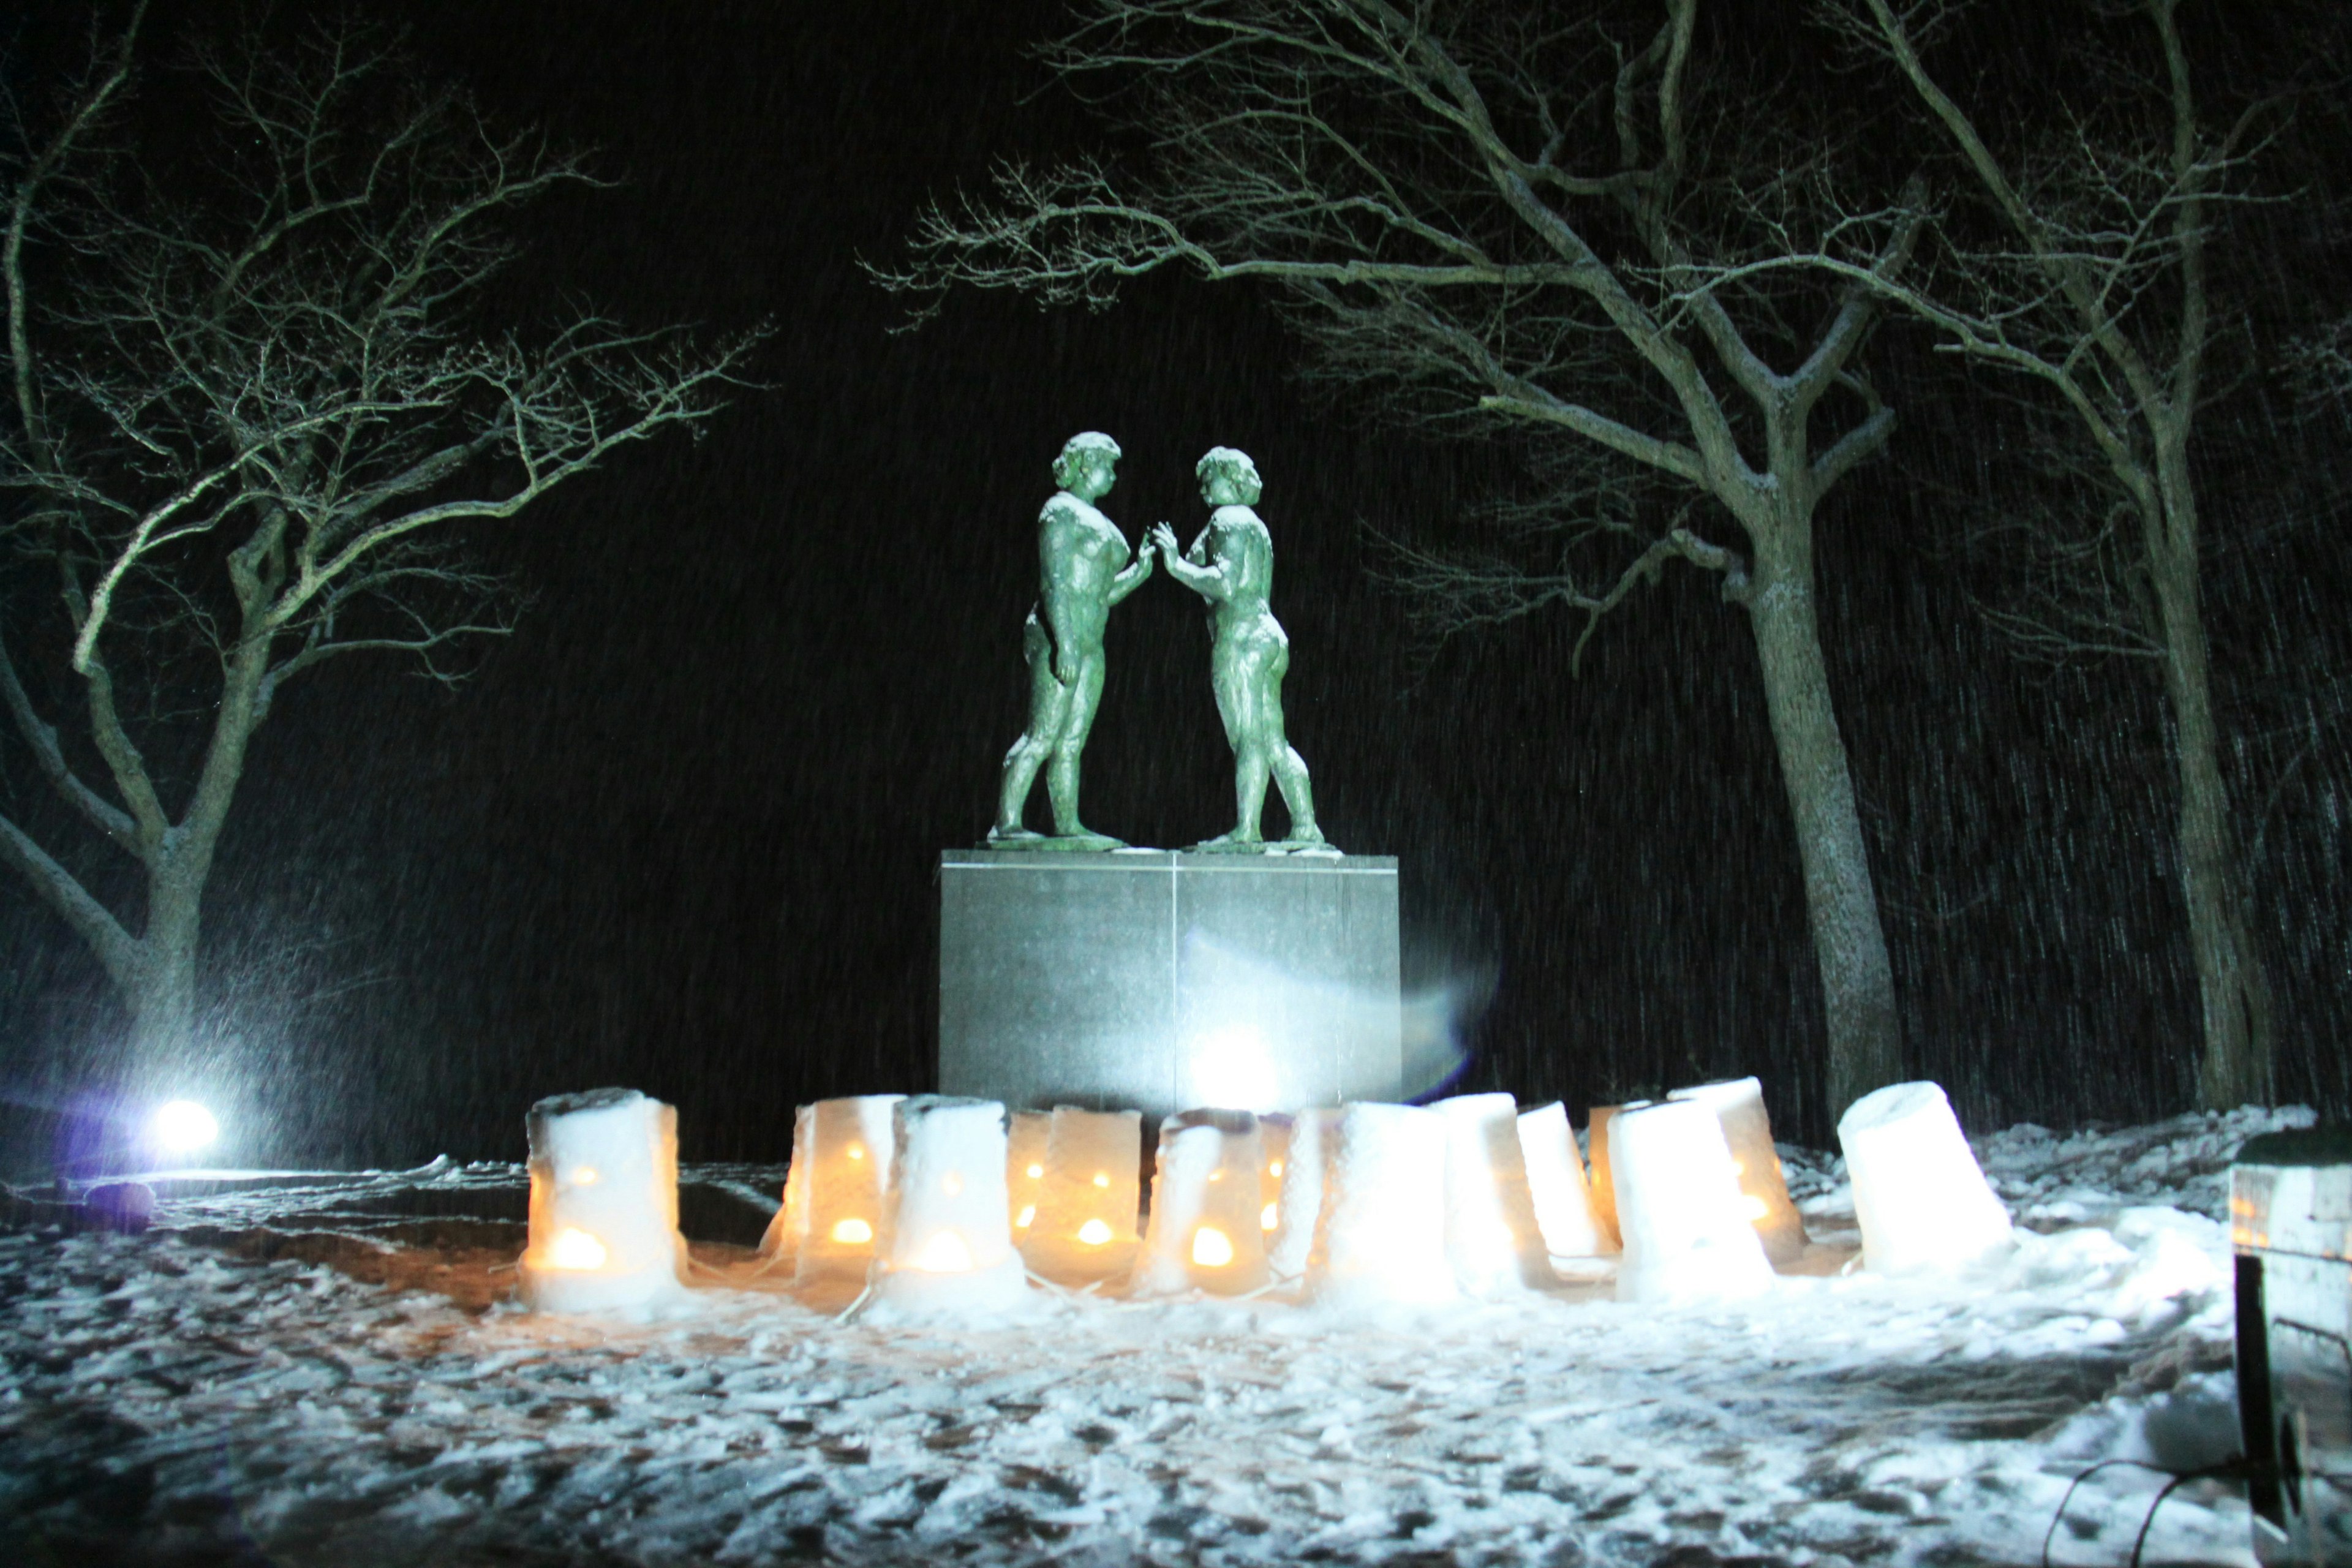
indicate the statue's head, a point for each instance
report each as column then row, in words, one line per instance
column 1228, row 478
column 1085, row 468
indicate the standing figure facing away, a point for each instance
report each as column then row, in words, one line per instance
column 1083, row 569
column 1232, row 566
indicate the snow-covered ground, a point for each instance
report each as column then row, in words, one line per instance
column 331, row 1371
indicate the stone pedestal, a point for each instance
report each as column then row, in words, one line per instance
column 1160, row 980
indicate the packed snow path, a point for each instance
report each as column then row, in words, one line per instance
column 281, row 1374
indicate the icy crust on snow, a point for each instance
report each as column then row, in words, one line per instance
column 230, row 1390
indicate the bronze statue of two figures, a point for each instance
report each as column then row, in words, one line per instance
column 1083, row 567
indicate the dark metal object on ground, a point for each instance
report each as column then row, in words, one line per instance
column 2291, row 1223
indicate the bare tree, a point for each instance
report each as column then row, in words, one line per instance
column 253, row 396
column 1499, row 218
column 2078, row 252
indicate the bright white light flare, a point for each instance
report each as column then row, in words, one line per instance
column 183, row 1127
column 853, row 1233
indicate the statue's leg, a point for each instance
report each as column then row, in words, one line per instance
column 1251, row 765
column 1049, row 702
column 1289, row 767
column 1237, row 705
column 1298, row 794
column 1062, row 775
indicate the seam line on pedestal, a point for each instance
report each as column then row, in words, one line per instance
column 1171, row 871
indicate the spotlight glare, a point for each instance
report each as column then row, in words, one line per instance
column 183, row 1127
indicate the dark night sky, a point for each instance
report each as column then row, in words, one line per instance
column 680, row 831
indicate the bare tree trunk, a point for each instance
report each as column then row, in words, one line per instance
column 2231, row 982
column 162, row 996
column 1865, row 1039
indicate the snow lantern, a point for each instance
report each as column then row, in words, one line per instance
column 1738, row 1104
column 1204, row 1232
column 604, row 1203
column 1314, row 1140
column 1491, row 1233
column 1025, row 1166
column 1920, row 1197
column 1380, row 1237
column 1683, row 1219
column 851, row 1143
column 1092, row 1187
column 787, row 1230
column 1604, row 1181
column 947, row 1242
column 1556, row 1184
column 1273, row 1152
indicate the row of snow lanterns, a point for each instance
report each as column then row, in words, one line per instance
column 935, row 1203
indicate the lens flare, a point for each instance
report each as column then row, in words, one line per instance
column 183, row 1127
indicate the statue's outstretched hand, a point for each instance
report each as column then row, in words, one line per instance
column 1163, row 538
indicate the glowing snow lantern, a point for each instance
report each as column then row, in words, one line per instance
column 1556, row 1182
column 1314, row 1141
column 1738, row 1104
column 1379, row 1239
column 1092, row 1185
column 1919, row 1193
column 851, row 1143
column 1273, row 1146
column 1684, row 1218
column 1204, row 1232
column 1491, row 1235
column 1604, row 1180
column 1025, row 1166
column 947, row 1242
column 604, row 1203
column 790, row 1227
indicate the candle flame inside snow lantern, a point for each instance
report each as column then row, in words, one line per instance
column 1738, row 1104
column 1491, row 1235
column 1919, row 1195
column 1679, row 1207
column 851, row 1144
column 1379, row 1239
column 948, row 1243
column 1204, row 1232
column 1092, row 1187
column 1556, row 1182
column 604, row 1203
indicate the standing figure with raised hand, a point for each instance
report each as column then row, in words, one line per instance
column 1230, row 564
column 1083, row 569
